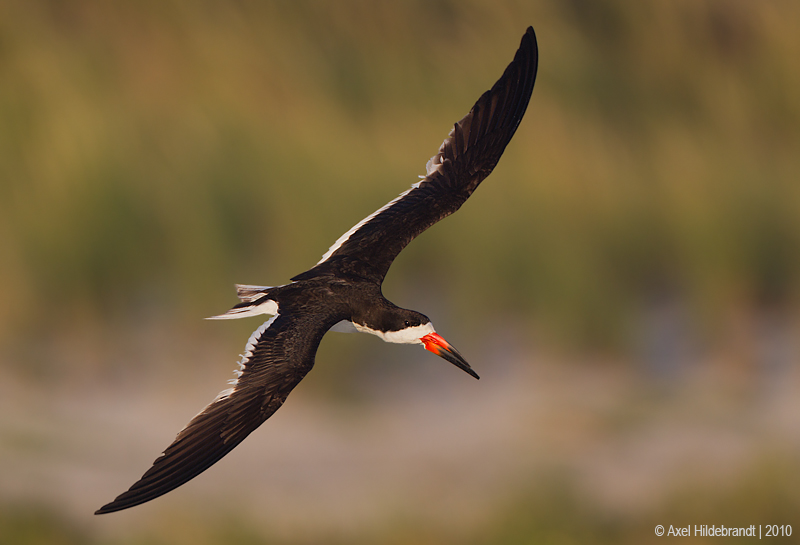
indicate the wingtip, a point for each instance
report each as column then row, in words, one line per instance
column 119, row 503
column 529, row 38
column 530, row 33
column 107, row 508
column 128, row 499
column 529, row 42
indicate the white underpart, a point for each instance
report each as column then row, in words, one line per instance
column 345, row 326
column 435, row 162
column 265, row 307
column 248, row 353
column 409, row 335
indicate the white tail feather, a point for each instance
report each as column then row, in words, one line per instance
column 249, row 293
column 265, row 307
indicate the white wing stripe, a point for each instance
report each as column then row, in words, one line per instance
column 248, row 353
column 253, row 340
column 345, row 237
column 434, row 164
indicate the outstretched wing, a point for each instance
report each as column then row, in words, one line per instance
column 465, row 158
column 277, row 356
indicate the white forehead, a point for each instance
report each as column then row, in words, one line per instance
column 409, row 335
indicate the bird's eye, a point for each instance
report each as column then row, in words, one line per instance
column 408, row 323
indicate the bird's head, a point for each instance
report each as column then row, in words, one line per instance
column 411, row 327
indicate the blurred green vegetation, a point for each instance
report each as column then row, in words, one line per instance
column 153, row 153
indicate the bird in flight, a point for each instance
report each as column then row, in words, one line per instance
column 342, row 292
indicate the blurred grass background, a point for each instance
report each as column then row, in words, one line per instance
column 645, row 221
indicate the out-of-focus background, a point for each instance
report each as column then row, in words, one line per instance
column 626, row 283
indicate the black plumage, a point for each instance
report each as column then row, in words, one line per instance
column 345, row 287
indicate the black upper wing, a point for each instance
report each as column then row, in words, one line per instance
column 465, row 158
column 278, row 355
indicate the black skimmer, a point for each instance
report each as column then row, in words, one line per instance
column 342, row 292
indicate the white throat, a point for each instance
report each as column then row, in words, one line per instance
column 409, row 335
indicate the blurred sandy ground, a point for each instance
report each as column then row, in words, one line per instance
column 636, row 253
column 428, row 448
